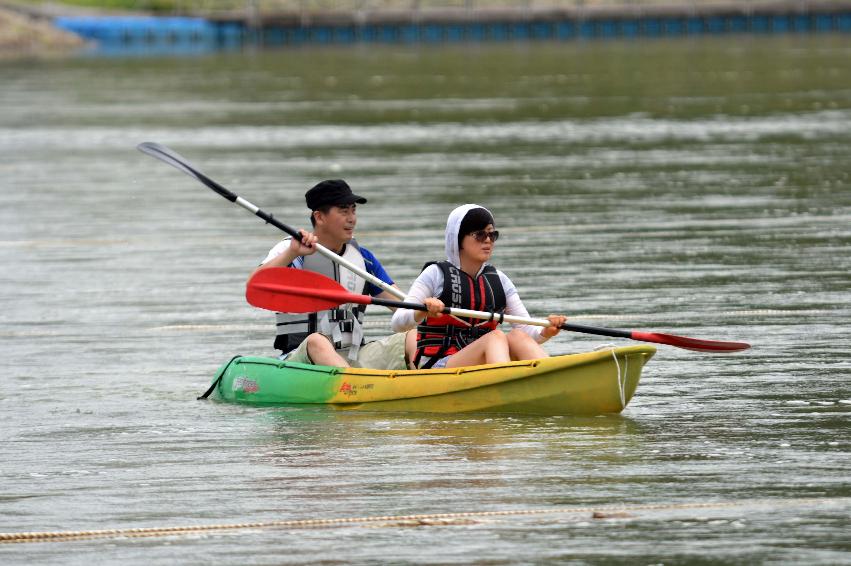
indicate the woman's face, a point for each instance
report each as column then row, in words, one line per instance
column 478, row 246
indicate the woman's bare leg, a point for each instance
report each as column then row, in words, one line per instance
column 411, row 347
column 492, row 348
column 521, row 346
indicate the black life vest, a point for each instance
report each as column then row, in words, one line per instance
column 446, row 334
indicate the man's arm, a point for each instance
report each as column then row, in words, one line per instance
column 305, row 246
column 374, row 268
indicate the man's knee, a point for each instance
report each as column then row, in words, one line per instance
column 317, row 343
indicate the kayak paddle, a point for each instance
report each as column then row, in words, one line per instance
column 284, row 289
column 177, row 161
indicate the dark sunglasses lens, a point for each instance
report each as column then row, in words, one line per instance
column 484, row 236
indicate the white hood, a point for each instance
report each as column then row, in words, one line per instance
column 453, row 224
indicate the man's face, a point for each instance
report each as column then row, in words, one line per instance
column 339, row 222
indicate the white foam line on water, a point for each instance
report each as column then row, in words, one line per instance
column 200, row 107
column 68, row 242
column 32, row 333
column 21, row 104
column 213, row 327
column 637, row 227
column 633, row 128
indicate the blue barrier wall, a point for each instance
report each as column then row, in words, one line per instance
column 145, row 34
column 176, row 35
column 559, row 30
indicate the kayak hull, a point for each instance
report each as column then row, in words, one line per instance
column 590, row 383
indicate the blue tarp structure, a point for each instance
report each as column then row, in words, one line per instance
column 148, row 34
column 144, row 33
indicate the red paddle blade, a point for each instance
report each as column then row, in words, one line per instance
column 284, row 289
column 696, row 344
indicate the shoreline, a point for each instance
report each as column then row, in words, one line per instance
column 22, row 35
column 54, row 29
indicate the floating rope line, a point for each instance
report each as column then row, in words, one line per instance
column 433, row 519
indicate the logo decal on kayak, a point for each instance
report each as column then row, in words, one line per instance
column 245, row 385
column 351, row 390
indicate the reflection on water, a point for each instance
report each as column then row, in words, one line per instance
column 698, row 187
column 478, row 437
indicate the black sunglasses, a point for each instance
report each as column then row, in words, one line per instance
column 483, row 235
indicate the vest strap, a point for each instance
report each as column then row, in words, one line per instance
column 343, row 324
column 445, row 335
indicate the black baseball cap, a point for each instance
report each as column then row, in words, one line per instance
column 331, row 192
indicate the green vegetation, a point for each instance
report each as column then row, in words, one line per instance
column 119, row 5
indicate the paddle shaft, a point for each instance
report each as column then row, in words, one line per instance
column 296, row 290
column 323, row 298
column 511, row 319
column 694, row 344
column 481, row 315
column 177, row 161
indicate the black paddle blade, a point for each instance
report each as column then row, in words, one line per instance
column 169, row 156
column 166, row 155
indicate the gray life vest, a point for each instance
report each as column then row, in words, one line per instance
column 342, row 325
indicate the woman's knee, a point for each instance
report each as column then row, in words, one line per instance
column 517, row 335
column 495, row 341
column 524, row 347
column 497, row 335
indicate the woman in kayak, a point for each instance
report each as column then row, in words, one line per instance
column 466, row 280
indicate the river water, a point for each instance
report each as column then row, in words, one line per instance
column 695, row 187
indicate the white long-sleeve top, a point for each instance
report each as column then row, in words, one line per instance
column 430, row 284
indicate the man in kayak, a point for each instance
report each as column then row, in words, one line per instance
column 467, row 281
column 333, row 337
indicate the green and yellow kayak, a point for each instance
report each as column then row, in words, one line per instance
column 591, row 383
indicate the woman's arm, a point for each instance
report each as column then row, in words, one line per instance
column 515, row 306
column 428, row 285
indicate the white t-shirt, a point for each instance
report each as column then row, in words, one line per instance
column 280, row 248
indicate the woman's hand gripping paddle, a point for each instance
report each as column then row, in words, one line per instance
column 284, row 289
